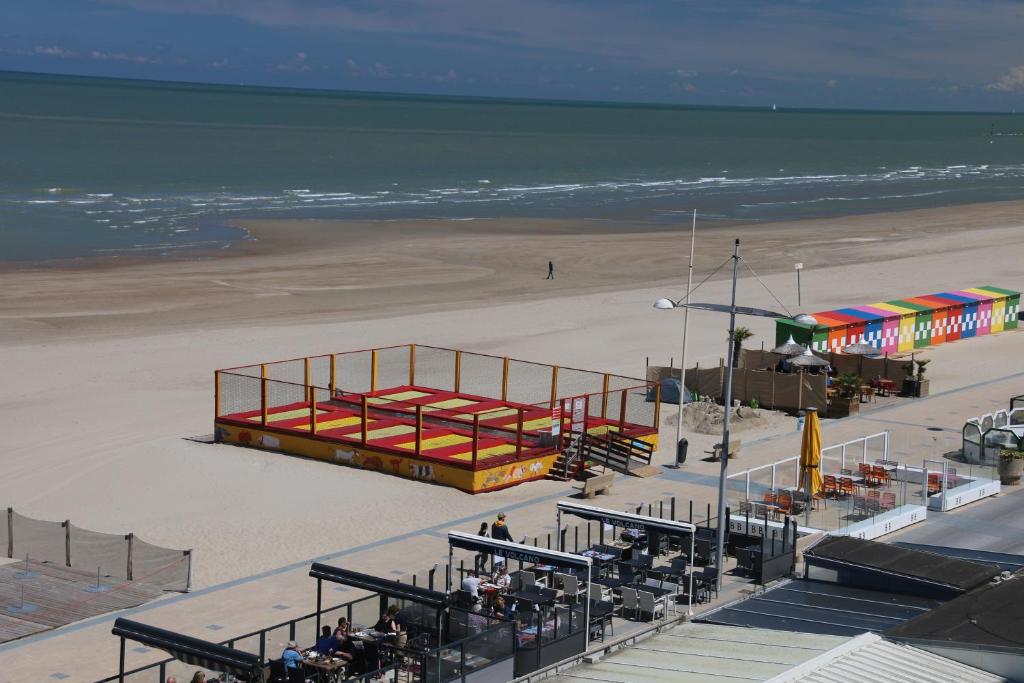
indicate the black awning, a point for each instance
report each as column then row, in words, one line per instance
column 191, row 650
column 516, row 551
column 375, row 584
column 628, row 520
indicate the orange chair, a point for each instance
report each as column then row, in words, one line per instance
column 888, row 501
column 934, row 483
column 830, row 486
column 846, row 486
column 786, row 503
column 881, row 474
column 865, row 471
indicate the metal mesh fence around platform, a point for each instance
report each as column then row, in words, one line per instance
column 394, row 366
column 528, row 383
column 435, row 368
column 354, row 371
column 480, row 375
column 119, row 557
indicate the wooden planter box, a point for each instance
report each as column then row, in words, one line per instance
column 842, row 407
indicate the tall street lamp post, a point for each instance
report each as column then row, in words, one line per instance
column 733, row 310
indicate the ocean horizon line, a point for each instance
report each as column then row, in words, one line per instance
column 393, row 95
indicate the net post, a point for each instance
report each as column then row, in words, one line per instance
column 67, row 542
column 305, row 372
column 476, row 438
column 311, row 395
column 622, row 409
column 504, row 379
column 263, row 401
column 604, row 395
column 412, row 364
column 458, row 371
column 216, row 394
column 519, row 433
column 419, row 428
column 10, row 532
column 188, row 579
column 131, row 542
column 657, row 405
column 365, row 416
column 334, row 374
column 554, row 385
column 373, row 370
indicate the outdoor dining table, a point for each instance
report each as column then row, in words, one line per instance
column 545, row 597
column 328, row 669
column 886, row 387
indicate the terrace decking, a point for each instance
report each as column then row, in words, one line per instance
column 500, row 435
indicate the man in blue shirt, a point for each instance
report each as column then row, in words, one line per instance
column 291, row 657
column 327, row 643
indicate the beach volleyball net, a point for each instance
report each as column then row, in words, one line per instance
column 114, row 558
column 470, row 403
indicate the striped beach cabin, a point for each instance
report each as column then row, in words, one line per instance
column 907, row 324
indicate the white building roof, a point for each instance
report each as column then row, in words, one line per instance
column 711, row 653
column 869, row 657
column 699, row 653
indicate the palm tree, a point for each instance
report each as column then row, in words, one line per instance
column 739, row 335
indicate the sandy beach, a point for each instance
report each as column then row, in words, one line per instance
column 109, row 368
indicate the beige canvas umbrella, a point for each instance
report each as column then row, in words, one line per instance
column 790, row 348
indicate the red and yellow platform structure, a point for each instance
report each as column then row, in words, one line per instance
column 472, row 421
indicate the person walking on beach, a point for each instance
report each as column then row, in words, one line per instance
column 551, row 271
column 481, row 558
column 499, row 530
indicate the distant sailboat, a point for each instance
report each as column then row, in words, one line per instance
column 774, row 108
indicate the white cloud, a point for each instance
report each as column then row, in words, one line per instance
column 122, row 57
column 686, row 73
column 1011, row 81
column 297, row 63
column 220, row 64
column 352, row 66
column 379, row 70
column 53, row 51
column 831, row 83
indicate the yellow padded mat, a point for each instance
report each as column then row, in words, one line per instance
column 400, row 396
column 501, row 449
column 333, row 424
column 438, row 442
column 287, row 415
column 394, row 430
column 449, row 403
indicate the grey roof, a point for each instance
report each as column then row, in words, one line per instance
column 704, row 653
column 950, row 571
column 869, row 657
column 819, row 607
column 1002, row 561
column 990, row 616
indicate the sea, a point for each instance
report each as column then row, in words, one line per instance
column 93, row 167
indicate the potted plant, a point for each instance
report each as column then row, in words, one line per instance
column 909, row 382
column 847, row 399
column 739, row 335
column 1011, row 467
column 922, row 383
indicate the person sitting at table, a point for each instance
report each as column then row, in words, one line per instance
column 291, row 658
column 388, row 622
column 327, row 644
column 503, row 581
column 471, row 585
column 341, row 632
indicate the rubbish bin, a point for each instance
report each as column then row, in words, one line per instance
column 681, row 451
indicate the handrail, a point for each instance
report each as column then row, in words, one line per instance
column 228, row 642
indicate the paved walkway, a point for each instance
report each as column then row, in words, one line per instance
column 86, row 651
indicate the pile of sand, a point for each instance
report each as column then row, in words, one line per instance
column 707, row 418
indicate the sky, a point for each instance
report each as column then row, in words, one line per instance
column 872, row 54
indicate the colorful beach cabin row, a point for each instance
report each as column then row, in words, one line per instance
column 908, row 324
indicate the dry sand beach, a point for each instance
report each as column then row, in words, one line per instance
column 108, row 367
